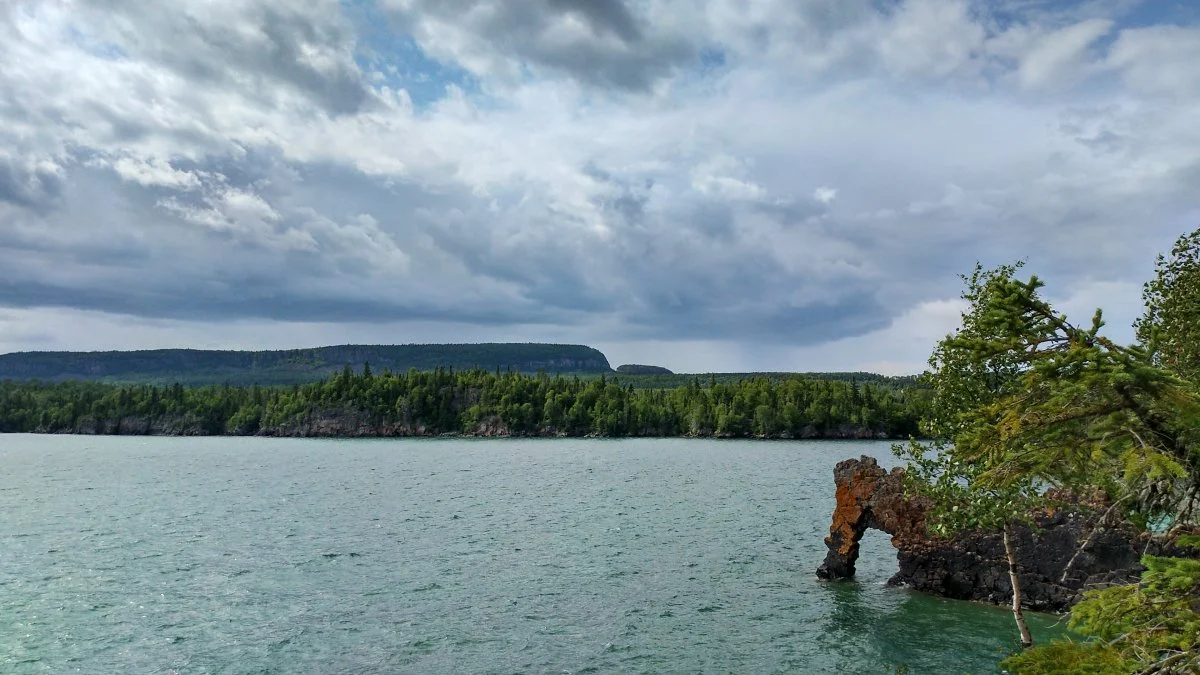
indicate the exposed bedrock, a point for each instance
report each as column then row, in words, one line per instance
column 971, row 566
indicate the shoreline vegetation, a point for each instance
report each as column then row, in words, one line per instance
column 1028, row 407
column 474, row 402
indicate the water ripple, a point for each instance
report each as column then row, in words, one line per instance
column 558, row 556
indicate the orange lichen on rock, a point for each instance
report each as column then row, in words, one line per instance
column 868, row 496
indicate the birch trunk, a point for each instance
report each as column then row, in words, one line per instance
column 1018, row 615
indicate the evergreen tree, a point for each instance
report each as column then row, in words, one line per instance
column 1024, row 399
column 966, row 380
column 1170, row 326
column 456, row 402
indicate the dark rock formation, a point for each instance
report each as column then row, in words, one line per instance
column 840, row 431
column 181, row 425
column 869, row 497
column 971, row 566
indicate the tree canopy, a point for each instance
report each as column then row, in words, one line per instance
column 446, row 401
column 1024, row 399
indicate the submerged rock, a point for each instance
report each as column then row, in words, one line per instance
column 971, row 566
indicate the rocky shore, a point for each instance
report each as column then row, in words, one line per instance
column 1055, row 567
column 349, row 423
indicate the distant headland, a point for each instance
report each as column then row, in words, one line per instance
column 294, row 366
column 199, row 367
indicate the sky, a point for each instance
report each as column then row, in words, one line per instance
column 707, row 185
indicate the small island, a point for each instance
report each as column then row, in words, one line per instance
column 638, row 369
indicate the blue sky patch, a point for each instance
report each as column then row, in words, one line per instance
column 400, row 61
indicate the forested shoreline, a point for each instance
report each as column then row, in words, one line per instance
column 473, row 403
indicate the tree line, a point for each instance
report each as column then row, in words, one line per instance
column 445, row 401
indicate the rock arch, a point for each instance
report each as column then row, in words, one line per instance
column 970, row 565
column 868, row 496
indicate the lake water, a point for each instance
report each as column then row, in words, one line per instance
column 196, row 555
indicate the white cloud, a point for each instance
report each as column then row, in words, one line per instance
column 155, row 172
column 1159, row 61
column 244, row 215
column 723, row 176
column 1120, row 300
column 1060, row 57
column 930, row 38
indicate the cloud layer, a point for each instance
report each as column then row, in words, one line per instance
column 715, row 185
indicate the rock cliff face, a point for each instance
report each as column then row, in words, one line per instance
column 971, row 566
column 183, row 425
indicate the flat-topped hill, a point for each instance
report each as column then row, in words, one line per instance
column 293, row 366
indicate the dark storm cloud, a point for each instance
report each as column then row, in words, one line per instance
column 662, row 280
column 791, row 212
column 158, row 266
column 626, row 199
column 35, row 187
column 696, row 285
column 622, row 51
column 258, row 298
column 856, row 314
column 712, row 219
column 604, row 15
column 258, row 48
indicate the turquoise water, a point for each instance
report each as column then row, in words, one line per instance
column 198, row 555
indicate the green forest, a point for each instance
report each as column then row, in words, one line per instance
column 473, row 402
column 647, row 380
